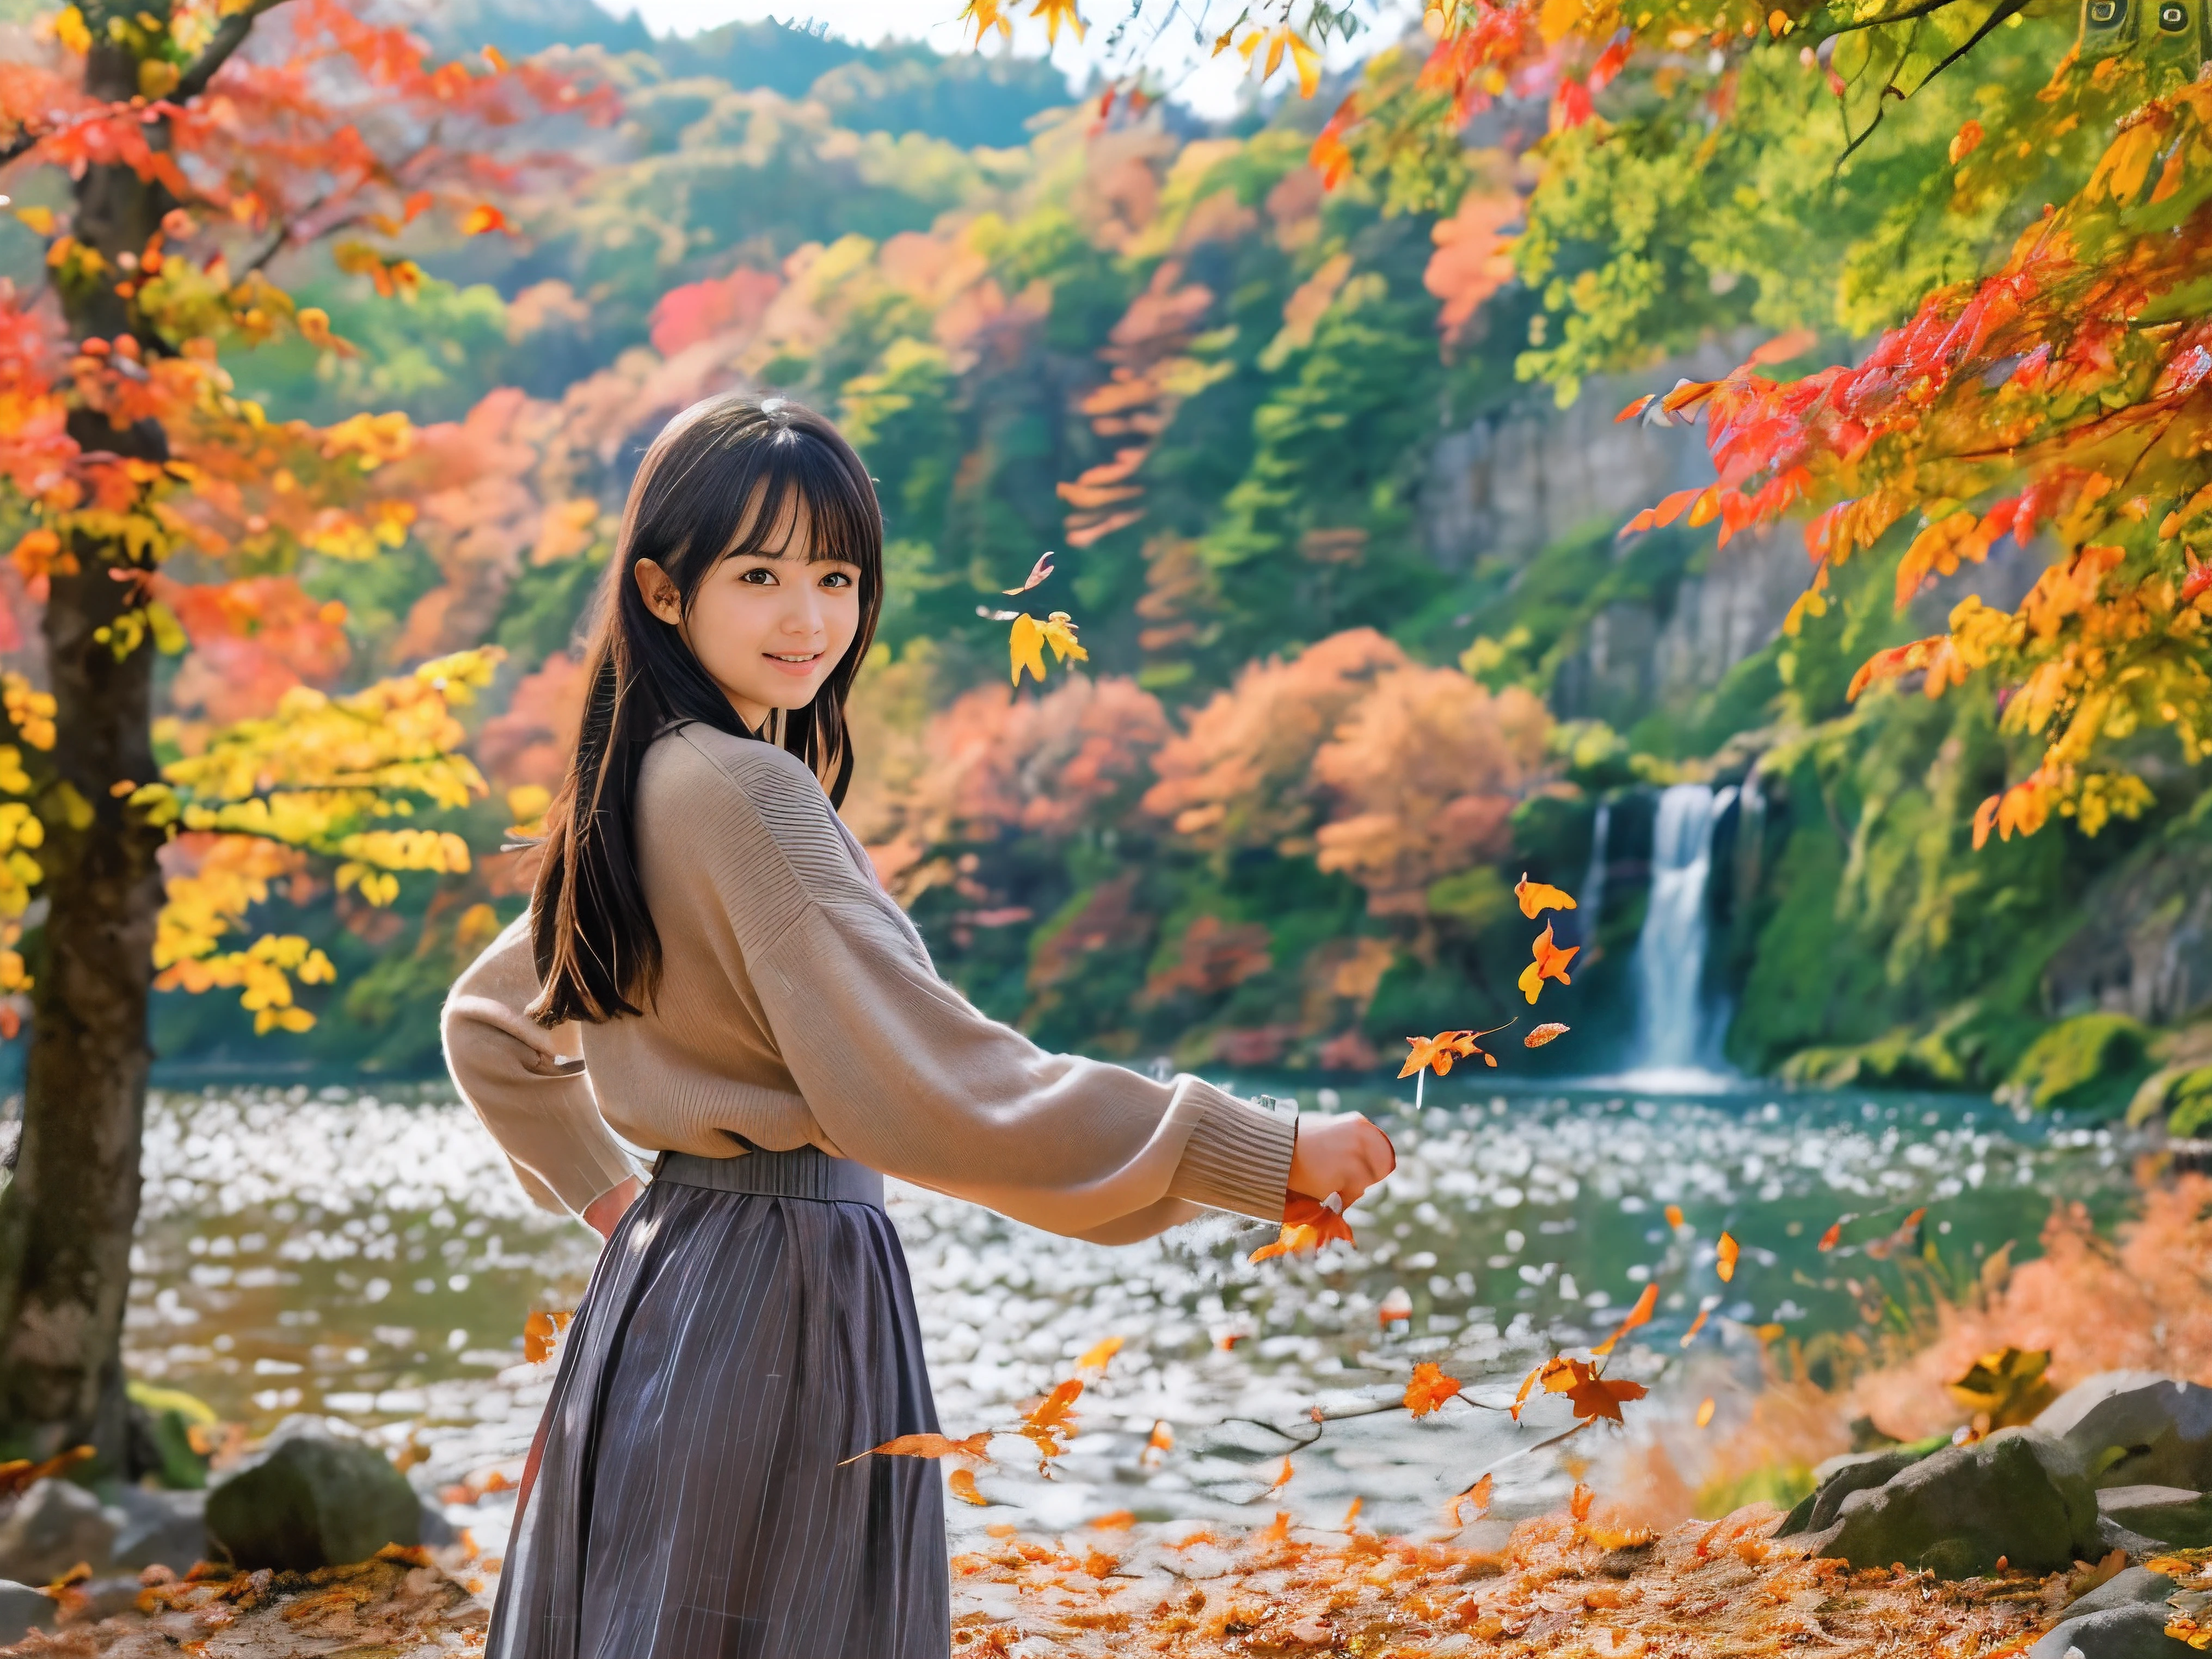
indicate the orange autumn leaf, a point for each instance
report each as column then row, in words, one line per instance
column 1639, row 1315
column 1831, row 1238
column 19, row 1475
column 1544, row 1034
column 1050, row 1425
column 1579, row 1502
column 1292, row 1240
column 1696, row 1324
column 1095, row 1357
column 961, row 1483
column 1429, row 1388
column 1724, row 1256
column 1438, row 1051
column 1589, row 1390
column 1352, row 1514
column 1477, row 1495
column 1674, row 1215
column 1308, row 1223
column 1549, row 962
column 539, row 1332
column 1537, row 896
column 929, row 1445
column 1706, row 1412
column 1282, row 1477
column 484, row 217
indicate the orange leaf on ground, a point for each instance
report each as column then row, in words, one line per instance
column 1536, row 897
column 1117, row 1520
column 1544, row 1034
column 1429, row 1388
column 1724, row 1256
column 1639, row 1315
column 1282, row 1479
column 1549, row 962
column 929, row 1445
column 963, row 1485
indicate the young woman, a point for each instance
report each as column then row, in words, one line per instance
column 710, row 970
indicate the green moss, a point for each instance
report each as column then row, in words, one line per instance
column 2091, row 1060
column 1783, row 1485
column 2189, row 1103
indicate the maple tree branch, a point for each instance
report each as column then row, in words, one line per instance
column 230, row 34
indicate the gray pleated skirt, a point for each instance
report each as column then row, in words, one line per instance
column 749, row 1325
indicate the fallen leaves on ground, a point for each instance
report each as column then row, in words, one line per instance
column 961, row 1483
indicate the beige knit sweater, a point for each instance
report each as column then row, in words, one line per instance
column 798, row 1007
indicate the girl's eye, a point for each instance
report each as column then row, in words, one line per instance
column 836, row 579
column 758, row 575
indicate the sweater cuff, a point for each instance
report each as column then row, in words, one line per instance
column 1238, row 1156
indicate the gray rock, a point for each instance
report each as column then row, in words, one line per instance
column 2135, row 1587
column 2131, row 1632
column 2114, row 1536
column 161, row 1529
column 312, row 1499
column 2019, row 1495
column 2168, row 1514
column 2135, row 1428
column 1837, row 1479
column 52, row 1527
column 20, row 1608
column 436, row 1531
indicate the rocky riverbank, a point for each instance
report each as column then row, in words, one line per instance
column 2088, row 1532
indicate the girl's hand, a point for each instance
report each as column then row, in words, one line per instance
column 1345, row 1155
column 602, row 1212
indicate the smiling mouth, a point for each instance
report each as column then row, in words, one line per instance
column 799, row 661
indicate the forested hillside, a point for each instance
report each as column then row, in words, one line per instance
column 1363, row 643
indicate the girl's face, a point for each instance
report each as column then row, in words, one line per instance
column 766, row 627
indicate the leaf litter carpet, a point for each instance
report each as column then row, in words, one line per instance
column 1557, row 1588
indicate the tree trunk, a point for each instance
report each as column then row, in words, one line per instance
column 66, row 1218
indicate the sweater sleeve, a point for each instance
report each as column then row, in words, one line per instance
column 905, row 1076
column 527, row 1083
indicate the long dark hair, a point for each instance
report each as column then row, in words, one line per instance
column 725, row 477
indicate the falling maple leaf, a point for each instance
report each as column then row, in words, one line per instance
column 1544, row 1034
column 1050, row 1425
column 1397, row 1305
column 1429, row 1388
column 1674, row 1213
column 929, row 1445
column 961, row 1484
column 1095, row 1357
column 1724, row 1256
column 1438, row 1051
column 1881, row 1249
column 1537, row 896
column 1025, row 644
column 1593, row 1395
column 1352, row 1514
column 1831, row 1238
column 1706, row 1412
column 1697, row 1324
column 1282, row 1477
column 1549, row 963
column 986, row 15
column 539, row 1332
column 484, row 217
column 1038, row 572
column 1639, row 1315
column 1308, row 1223
column 1057, row 13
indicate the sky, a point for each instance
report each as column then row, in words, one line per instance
column 1210, row 85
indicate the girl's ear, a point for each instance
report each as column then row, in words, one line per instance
column 658, row 591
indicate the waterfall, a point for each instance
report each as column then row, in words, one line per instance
column 1673, row 1032
column 1592, row 894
